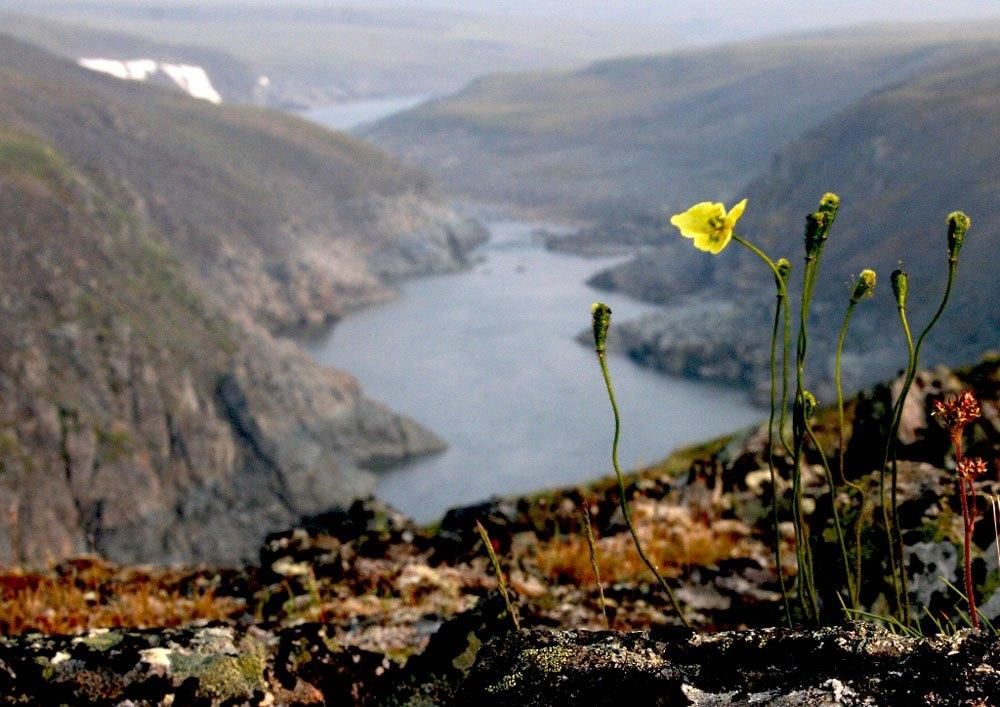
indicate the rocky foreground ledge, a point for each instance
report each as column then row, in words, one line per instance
column 474, row 659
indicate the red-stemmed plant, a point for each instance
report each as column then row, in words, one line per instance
column 955, row 414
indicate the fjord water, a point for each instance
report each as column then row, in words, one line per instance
column 352, row 114
column 488, row 359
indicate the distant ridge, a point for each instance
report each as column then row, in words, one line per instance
column 649, row 133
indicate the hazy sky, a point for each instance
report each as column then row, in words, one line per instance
column 796, row 13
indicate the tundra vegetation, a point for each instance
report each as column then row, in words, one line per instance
column 843, row 522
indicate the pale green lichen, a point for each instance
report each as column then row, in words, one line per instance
column 101, row 639
column 550, row 659
column 220, row 673
column 225, row 677
column 467, row 658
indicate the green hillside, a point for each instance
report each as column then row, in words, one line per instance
column 248, row 196
column 151, row 242
column 659, row 131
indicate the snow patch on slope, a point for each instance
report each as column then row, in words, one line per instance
column 191, row 79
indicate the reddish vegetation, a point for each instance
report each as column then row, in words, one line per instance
column 87, row 592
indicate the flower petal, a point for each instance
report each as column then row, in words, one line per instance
column 734, row 213
column 714, row 241
column 695, row 221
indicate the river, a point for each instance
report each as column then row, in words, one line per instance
column 345, row 116
column 488, row 359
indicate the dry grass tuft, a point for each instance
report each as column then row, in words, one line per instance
column 673, row 538
column 87, row 593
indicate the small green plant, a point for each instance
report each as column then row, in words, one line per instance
column 601, row 319
column 958, row 227
column 864, row 289
column 711, row 227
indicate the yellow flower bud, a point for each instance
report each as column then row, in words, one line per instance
column 865, row 286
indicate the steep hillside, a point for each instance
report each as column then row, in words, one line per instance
column 901, row 159
column 251, row 198
column 150, row 242
column 661, row 131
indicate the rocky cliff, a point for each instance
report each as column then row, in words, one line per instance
column 153, row 245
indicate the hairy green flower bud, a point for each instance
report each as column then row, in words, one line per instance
column 815, row 233
column 784, row 270
column 865, row 286
column 958, row 224
column 809, row 404
column 900, row 285
column 829, row 205
column 602, row 320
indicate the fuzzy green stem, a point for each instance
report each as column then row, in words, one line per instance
column 897, row 534
column 770, row 460
column 786, row 349
column 798, row 437
column 602, row 359
column 841, row 447
column 838, row 384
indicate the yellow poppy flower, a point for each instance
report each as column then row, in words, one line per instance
column 709, row 225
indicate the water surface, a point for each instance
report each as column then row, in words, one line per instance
column 488, row 359
column 353, row 114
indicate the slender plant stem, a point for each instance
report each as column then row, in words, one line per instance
column 798, row 436
column 889, row 517
column 839, row 385
column 501, row 582
column 836, row 514
column 786, row 340
column 969, row 588
column 967, row 544
column 895, row 536
column 786, row 346
column 602, row 359
column 967, row 494
column 841, row 448
column 592, row 547
column 763, row 256
column 779, row 307
column 782, row 295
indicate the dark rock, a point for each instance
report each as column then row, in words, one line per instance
column 852, row 665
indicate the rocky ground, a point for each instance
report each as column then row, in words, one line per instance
column 363, row 606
